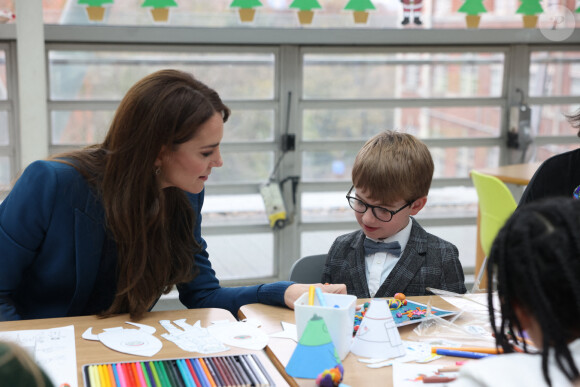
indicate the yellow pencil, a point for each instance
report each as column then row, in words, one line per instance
column 311, row 295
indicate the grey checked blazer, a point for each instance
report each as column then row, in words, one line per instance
column 427, row 261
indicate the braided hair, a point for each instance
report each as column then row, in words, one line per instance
column 536, row 257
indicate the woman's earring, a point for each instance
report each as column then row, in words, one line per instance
column 157, row 171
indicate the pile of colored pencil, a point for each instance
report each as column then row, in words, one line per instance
column 213, row 371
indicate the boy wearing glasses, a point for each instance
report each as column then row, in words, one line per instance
column 392, row 253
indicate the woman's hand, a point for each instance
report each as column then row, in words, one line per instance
column 296, row 290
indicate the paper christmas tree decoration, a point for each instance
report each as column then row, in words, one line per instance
column 314, row 353
column 159, row 10
column 305, row 13
column 472, row 9
column 377, row 336
column 359, row 8
column 246, row 10
column 530, row 10
column 95, row 9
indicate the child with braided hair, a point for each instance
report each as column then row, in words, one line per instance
column 536, row 261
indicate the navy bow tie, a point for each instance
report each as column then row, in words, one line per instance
column 372, row 247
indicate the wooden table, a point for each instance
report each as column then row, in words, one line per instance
column 90, row 352
column 518, row 174
column 355, row 373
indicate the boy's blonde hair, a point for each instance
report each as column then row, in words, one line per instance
column 392, row 166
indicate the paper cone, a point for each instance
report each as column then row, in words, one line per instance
column 377, row 336
column 314, row 353
column 530, row 21
column 305, row 17
column 96, row 13
column 472, row 21
column 360, row 16
column 160, row 14
column 246, row 14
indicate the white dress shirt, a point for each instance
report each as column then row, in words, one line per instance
column 379, row 265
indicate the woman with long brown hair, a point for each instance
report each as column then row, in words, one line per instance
column 109, row 228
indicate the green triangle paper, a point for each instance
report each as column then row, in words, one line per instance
column 314, row 353
column 359, row 5
column 245, row 3
column 159, row 3
column 305, row 5
column 472, row 7
column 530, row 7
column 95, row 3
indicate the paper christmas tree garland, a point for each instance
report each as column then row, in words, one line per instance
column 246, row 9
column 359, row 8
column 315, row 351
column 305, row 13
column 472, row 9
column 159, row 10
column 530, row 10
column 95, row 9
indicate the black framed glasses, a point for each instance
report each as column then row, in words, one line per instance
column 381, row 213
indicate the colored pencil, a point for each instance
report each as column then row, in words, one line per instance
column 148, row 374
column 189, row 364
column 169, row 371
column 234, row 368
column 268, row 378
column 469, row 355
column 214, row 372
column 253, row 380
column 92, row 376
column 139, row 372
column 311, row 295
column 200, row 374
column 437, row 379
column 177, row 373
column 228, row 377
column 449, row 369
column 103, row 376
column 255, row 369
column 122, row 377
column 471, row 349
column 187, row 378
column 111, row 372
column 207, row 372
column 320, row 296
column 156, row 375
column 131, row 369
column 162, row 374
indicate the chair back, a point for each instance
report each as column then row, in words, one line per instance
column 496, row 204
column 308, row 269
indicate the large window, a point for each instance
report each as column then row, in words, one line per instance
column 86, row 86
column 452, row 100
column 7, row 133
column 331, row 94
column 554, row 89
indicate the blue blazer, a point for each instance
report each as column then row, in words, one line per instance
column 52, row 232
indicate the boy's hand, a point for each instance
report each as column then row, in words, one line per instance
column 296, row 290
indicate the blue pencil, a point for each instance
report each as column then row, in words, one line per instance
column 320, row 296
column 469, row 355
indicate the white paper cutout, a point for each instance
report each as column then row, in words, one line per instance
column 377, row 336
column 53, row 349
column 191, row 338
column 288, row 332
column 140, row 342
column 240, row 334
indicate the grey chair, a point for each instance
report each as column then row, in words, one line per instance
column 308, row 270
